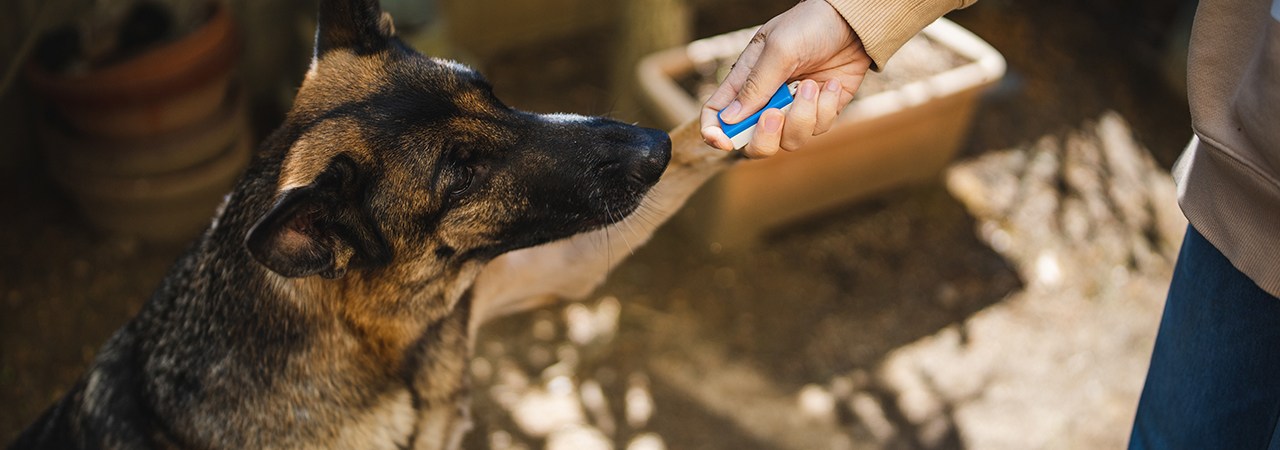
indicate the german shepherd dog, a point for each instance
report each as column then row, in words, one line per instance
column 330, row 302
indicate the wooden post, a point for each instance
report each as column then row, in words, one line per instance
column 645, row 26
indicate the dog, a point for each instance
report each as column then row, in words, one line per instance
column 332, row 300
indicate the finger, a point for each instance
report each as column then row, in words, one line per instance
column 712, row 134
column 767, row 135
column 738, row 72
column 715, row 137
column 849, row 87
column 769, row 72
column 725, row 94
column 802, row 117
column 829, row 102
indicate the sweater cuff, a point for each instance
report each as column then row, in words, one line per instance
column 884, row 25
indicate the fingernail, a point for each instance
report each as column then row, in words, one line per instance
column 730, row 112
column 833, row 86
column 808, row 89
column 771, row 123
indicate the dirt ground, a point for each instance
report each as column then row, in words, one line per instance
column 1010, row 305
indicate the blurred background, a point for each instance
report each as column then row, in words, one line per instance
column 976, row 258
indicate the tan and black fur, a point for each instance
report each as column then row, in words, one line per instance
column 329, row 303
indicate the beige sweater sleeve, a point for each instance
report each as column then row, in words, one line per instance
column 884, row 25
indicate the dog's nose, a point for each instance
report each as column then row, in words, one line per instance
column 652, row 155
column 639, row 155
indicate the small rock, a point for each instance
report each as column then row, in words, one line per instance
column 560, row 386
column 639, row 404
column 578, row 437
column 538, row 413
column 1048, row 271
column 500, row 440
column 597, row 404
column 647, row 441
column 843, row 386
column 816, row 403
column 872, row 416
column 607, row 314
column 582, row 328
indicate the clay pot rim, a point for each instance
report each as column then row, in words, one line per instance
column 145, row 156
column 204, row 54
column 223, row 120
column 175, row 184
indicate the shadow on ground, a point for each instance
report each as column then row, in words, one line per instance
column 729, row 337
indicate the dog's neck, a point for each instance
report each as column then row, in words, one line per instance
column 387, row 317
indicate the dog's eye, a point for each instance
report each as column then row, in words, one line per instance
column 462, row 170
column 461, row 182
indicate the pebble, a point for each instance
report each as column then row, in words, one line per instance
column 538, row 413
column 578, row 437
column 872, row 416
column 817, row 403
column 639, row 403
column 597, row 404
column 647, row 441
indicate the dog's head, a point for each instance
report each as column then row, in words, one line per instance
column 402, row 159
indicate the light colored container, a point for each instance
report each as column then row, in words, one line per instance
column 881, row 141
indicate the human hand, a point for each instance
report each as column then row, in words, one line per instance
column 809, row 42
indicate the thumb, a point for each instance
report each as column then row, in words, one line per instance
column 770, row 71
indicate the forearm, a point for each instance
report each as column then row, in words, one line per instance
column 884, row 25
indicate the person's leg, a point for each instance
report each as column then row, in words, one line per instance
column 1214, row 379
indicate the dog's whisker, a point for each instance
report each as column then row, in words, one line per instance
column 619, row 222
column 648, row 214
column 609, row 246
column 626, row 222
column 646, row 219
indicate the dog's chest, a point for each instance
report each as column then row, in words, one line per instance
column 428, row 411
column 390, row 424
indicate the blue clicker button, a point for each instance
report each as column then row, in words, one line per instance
column 781, row 98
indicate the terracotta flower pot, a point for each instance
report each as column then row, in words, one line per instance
column 155, row 154
column 165, row 88
column 901, row 135
column 149, row 145
column 167, row 207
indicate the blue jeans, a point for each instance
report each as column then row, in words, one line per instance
column 1214, row 380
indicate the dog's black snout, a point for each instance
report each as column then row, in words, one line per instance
column 642, row 155
column 616, row 152
column 657, row 155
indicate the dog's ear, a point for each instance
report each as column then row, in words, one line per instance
column 359, row 25
column 320, row 228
